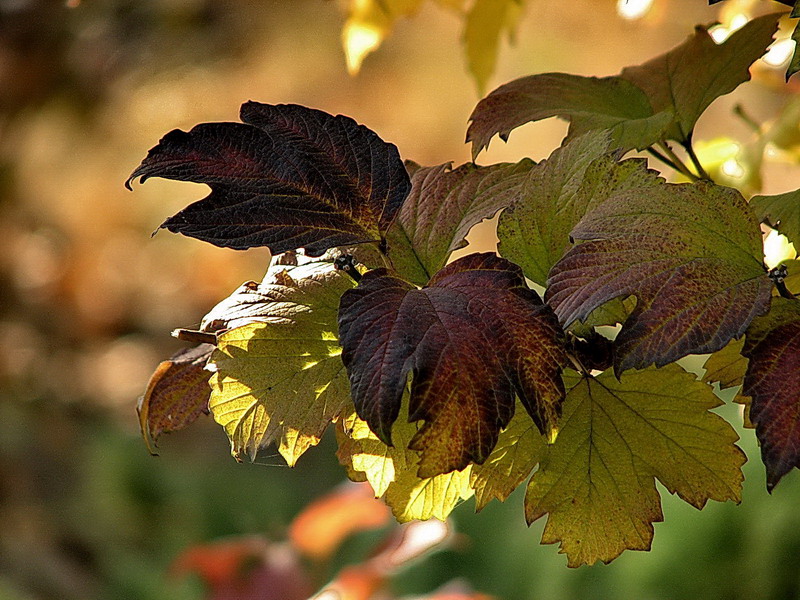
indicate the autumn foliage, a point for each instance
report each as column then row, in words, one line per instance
column 448, row 379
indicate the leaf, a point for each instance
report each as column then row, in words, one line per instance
column 443, row 206
column 728, row 366
column 772, row 345
column 792, row 281
column 246, row 568
column 688, row 78
column 597, row 481
column 285, row 178
column 781, row 212
column 535, row 231
column 486, row 22
column 368, row 23
column 690, row 253
column 282, row 379
column 319, row 530
column 794, row 63
column 176, row 395
column 473, row 338
column 588, row 103
column 392, row 471
column 519, row 449
column 661, row 99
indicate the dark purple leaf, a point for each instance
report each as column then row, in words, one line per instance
column 287, row 177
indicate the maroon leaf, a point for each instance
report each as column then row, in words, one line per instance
column 772, row 380
column 287, row 177
column 176, row 395
column 691, row 254
column 472, row 338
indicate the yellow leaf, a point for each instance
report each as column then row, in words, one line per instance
column 283, row 379
column 392, row 470
column 486, row 22
column 369, row 22
column 597, row 482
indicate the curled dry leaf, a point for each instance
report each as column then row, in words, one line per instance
column 176, row 395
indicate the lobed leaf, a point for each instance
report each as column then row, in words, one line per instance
column 781, row 212
column 176, row 394
column 690, row 254
column 286, row 177
column 588, row 103
column 535, row 231
column 392, row 471
column 444, row 204
column 597, row 481
column 688, row 78
column 281, row 377
column 772, row 345
column 659, row 100
column 473, row 338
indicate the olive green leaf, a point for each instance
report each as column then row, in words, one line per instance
column 596, row 483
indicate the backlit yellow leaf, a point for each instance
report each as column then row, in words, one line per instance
column 283, row 379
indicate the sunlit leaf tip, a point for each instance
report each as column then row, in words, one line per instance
column 287, row 177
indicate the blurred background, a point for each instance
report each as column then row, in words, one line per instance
column 88, row 298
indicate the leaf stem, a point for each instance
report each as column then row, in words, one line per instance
column 663, row 158
column 695, row 161
column 198, row 337
column 677, row 162
column 778, row 275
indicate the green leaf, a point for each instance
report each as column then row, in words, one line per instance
column 176, row 395
column 282, row 379
column 794, row 63
column 772, row 345
column 792, row 280
column 588, row 103
column 373, row 20
column 690, row 253
column 728, row 367
column 442, row 207
column 688, row 78
column 534, row 231
column 486, row 22
column 287, row 177
column 781, row 212
column 392, row 471
column 474, row 338
column 597, row 481
column 519, row 449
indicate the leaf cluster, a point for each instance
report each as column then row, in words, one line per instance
column 452, row 378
